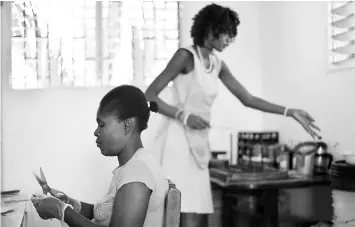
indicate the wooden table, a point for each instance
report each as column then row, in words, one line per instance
column 265, row 194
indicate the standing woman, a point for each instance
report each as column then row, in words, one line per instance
column 182, row 145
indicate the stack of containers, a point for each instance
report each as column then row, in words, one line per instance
column 342, row 175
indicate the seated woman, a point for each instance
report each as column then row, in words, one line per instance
column 138, row 188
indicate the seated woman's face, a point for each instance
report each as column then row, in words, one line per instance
column 110, row 133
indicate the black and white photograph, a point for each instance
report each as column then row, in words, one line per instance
column 139, row 113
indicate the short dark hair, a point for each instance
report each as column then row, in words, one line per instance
column 215, row 18
column 128, row 101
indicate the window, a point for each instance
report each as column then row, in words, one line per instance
column 85, row 43
column 342, row 34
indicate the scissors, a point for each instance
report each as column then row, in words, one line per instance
column 46, row 189
column 43, row 182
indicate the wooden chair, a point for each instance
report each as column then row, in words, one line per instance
column 172, row 206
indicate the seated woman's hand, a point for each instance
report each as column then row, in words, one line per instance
column 59, row 195
column 48, row 207
column 66, row 199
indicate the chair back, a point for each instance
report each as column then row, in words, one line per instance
column 172, row 206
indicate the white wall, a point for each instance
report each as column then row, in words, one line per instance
column 294, row 53
column 294, row 60
column 54, row 128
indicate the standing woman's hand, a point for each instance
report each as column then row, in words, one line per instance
column 195, row 122
column 306, row 120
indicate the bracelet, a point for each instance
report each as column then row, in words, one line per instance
column 285, row 112
column 185, row 118
column 63, row 210
column 76, row 205
column 63, row 197
column 178, row 113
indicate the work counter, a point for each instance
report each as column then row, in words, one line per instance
column 257, row 198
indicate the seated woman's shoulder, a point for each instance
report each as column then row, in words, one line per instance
column 145, row 163
column 146, row 155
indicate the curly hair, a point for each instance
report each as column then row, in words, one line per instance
column 215, row 18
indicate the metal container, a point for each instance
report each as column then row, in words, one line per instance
column 283, row 157
column 304, row 157
column 323, row 159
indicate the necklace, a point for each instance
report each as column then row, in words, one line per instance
column 210, row 68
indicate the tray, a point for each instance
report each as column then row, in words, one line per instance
column 341, row 168
column 6, row 209
column 11, row 192
column 236, row 174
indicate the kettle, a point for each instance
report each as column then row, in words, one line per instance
column 323, row 159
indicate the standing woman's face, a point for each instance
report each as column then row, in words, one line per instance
column 219, row 43
column 110, row 133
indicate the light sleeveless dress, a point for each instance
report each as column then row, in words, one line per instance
column 184, row 153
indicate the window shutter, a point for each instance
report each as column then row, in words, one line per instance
column 342, row 26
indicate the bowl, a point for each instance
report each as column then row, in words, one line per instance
column 349, row 158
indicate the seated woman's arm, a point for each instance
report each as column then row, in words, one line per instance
column 130, row 205
column 87, row 210
column 131, row 200
column 129, row 208
column 73, row 219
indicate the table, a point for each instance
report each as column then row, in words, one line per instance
column 16, row 217
column 265, row 193
column 24, row 214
